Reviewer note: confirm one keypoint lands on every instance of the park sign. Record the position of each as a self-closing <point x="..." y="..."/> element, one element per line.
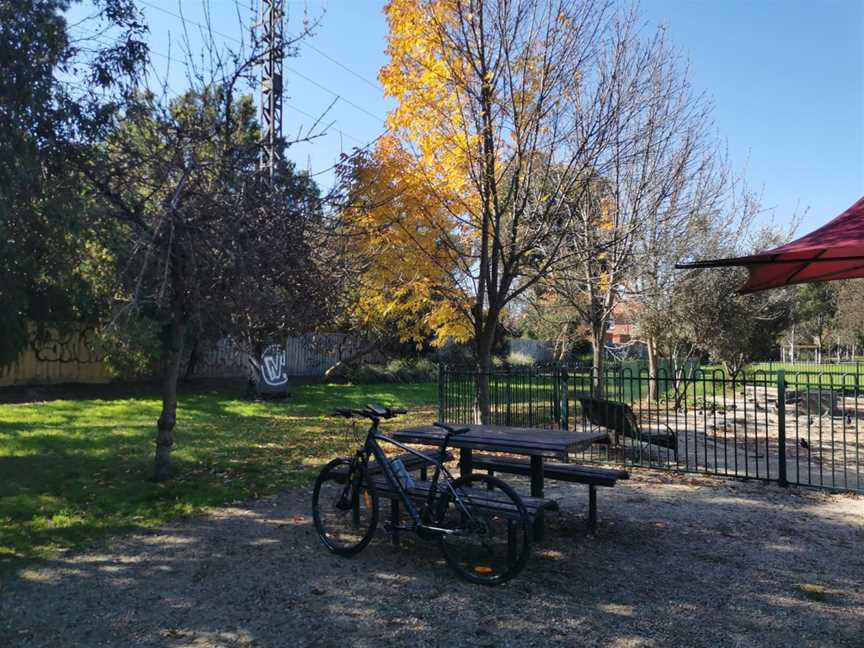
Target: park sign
<point x="271" y="372"/>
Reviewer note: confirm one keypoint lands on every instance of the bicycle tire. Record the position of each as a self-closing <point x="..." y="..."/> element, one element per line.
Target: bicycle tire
<point x="345" y="522"/>
<point x="482" y="564"/>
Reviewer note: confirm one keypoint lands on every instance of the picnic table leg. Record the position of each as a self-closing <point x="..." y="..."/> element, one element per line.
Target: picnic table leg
<point x="465" y="462"/>
<point x="394" y="520"/>
<point x="537" y="491"/>
<point x="512" y="540"/>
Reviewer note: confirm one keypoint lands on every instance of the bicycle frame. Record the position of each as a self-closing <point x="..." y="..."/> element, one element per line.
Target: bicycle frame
<point x="372" y="446"/>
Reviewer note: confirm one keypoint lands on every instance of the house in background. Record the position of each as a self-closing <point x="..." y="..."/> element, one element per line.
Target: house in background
<point x="622" y="328"/>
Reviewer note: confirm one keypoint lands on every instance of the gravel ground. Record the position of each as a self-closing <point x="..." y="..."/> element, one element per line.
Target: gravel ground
<point x="677" y="560"/>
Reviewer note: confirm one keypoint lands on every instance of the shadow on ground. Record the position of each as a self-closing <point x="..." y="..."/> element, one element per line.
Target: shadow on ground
<point x="676" y="561"/>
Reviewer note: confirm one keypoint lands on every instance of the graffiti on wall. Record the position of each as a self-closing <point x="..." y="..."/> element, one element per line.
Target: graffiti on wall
<point x="273" y="366"/>
<point x="70" y="345"/>
<point x="72" y="355"/>
<point x="69" y="354"/>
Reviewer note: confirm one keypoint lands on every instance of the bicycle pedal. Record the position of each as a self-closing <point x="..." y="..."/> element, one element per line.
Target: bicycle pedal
<point x="389" y="528"/>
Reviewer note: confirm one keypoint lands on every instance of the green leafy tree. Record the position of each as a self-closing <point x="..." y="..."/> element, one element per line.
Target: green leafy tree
<point x="815" y="312"/>
<point x="43" y="239"/>
<point x="734" y="329"/>
<point x="850" y="314"/>
<point x="205" y="240"/>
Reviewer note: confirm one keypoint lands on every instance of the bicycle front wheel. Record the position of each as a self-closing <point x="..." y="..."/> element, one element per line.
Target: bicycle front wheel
<point x="344" y="508"/>
<point x="488" y="539"/>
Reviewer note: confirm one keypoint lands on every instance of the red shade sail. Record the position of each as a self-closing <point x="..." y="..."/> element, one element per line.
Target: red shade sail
<point x="834" y="251"/>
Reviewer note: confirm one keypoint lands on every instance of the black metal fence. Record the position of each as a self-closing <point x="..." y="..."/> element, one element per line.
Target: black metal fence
<point x="800" y="427"/>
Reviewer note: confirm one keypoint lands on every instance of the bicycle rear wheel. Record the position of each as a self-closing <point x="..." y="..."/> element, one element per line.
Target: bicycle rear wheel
<point x="344" y="508"/>
<point x="489" y="541"/>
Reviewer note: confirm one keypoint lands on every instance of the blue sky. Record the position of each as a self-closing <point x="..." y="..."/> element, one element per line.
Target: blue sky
<point x="786" y="79"/>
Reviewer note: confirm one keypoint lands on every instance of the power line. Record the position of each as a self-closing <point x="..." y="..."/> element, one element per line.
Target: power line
<point x="171" y="59"/>
<point x="363" y="146"/>
<point x="333" y="60"/>
<point x="191" y="22"/>
<point x="311" y="116"/>
<point x="353" y="155"/>
<point x="291" y="70"/>
<point x="342" y="65"/>
<point x="335" y="94"/>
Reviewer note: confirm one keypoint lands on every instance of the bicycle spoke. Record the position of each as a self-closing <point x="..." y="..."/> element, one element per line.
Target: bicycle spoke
<point x="345" y="512"/>
<point x="491" y="548"/>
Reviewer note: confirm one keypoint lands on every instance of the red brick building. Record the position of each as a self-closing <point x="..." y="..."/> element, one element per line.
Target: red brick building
<point x="622" y="328"/>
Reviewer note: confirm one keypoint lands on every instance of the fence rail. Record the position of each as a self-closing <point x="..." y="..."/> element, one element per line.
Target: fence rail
<point x="800" y="428"/>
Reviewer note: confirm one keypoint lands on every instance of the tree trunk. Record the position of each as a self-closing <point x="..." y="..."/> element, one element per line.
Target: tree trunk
<point x="349" y="360"/>
<point x="792" y="346"/>
<point x="562" y="343"/>
<point x="172" y="350"/>
<point x="173" y="339"/>
<point x="484" y="368"/>
<point x="598" y="334"/>
<point x="652" y="369"/>
<point x="679" y="375"/>
<point x="193" y="360"/>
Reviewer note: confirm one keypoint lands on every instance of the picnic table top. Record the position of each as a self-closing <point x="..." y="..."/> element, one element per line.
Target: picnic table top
<point x="498" y="438"/>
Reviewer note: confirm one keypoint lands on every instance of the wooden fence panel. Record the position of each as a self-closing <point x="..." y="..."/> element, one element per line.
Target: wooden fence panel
<point x="72" y="357"/>
<point x="57" y="357"/>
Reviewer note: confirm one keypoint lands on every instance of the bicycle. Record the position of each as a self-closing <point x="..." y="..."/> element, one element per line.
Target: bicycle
<point x="479" y="521"/>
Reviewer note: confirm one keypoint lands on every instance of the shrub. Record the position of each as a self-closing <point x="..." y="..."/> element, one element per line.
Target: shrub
<point x="395" y="371"/>
<point x="520" y="359"/>
<point x="131" y="350"/>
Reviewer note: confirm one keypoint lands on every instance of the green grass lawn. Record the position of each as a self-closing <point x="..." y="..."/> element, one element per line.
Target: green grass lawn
<point x="76" y="470"/>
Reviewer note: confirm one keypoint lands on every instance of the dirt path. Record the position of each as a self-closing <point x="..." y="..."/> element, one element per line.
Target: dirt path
<point x="677" y="561"/>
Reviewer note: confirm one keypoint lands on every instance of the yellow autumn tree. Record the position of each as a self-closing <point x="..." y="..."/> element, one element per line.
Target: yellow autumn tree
<point x="461" y="205"/>
<point x="395" y="233"/>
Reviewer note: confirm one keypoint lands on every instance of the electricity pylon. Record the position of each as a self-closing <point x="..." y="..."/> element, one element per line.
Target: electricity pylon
<point x="270" y="13"/>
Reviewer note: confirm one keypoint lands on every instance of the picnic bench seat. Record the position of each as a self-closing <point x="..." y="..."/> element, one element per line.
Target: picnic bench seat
<point x="480" y="497"/>
<point x="619" y="418"/>
<point x="590" y="475"/>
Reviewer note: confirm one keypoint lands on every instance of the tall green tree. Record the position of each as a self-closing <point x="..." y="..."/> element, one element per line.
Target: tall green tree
<point x="815" y="313"/>
<point x="43" y="239"/>
<point x="850" y="314"/>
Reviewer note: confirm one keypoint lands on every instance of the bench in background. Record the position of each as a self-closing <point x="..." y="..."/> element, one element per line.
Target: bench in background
<point x="619" y="418"/>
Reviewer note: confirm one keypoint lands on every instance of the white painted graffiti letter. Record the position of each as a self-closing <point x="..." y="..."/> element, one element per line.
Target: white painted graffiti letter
<point x="273" y="366"/>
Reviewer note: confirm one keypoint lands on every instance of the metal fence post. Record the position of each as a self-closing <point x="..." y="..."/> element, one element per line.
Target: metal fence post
<point x="508" y="415"/>
<point x="441" y="392"/>
<point x="555" y="400"/>
<point x="565" y="401"/>
<point x="781" y="425"/>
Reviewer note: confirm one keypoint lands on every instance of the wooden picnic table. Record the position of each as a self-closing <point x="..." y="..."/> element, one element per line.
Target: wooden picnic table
<point x="538" y="444"/>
